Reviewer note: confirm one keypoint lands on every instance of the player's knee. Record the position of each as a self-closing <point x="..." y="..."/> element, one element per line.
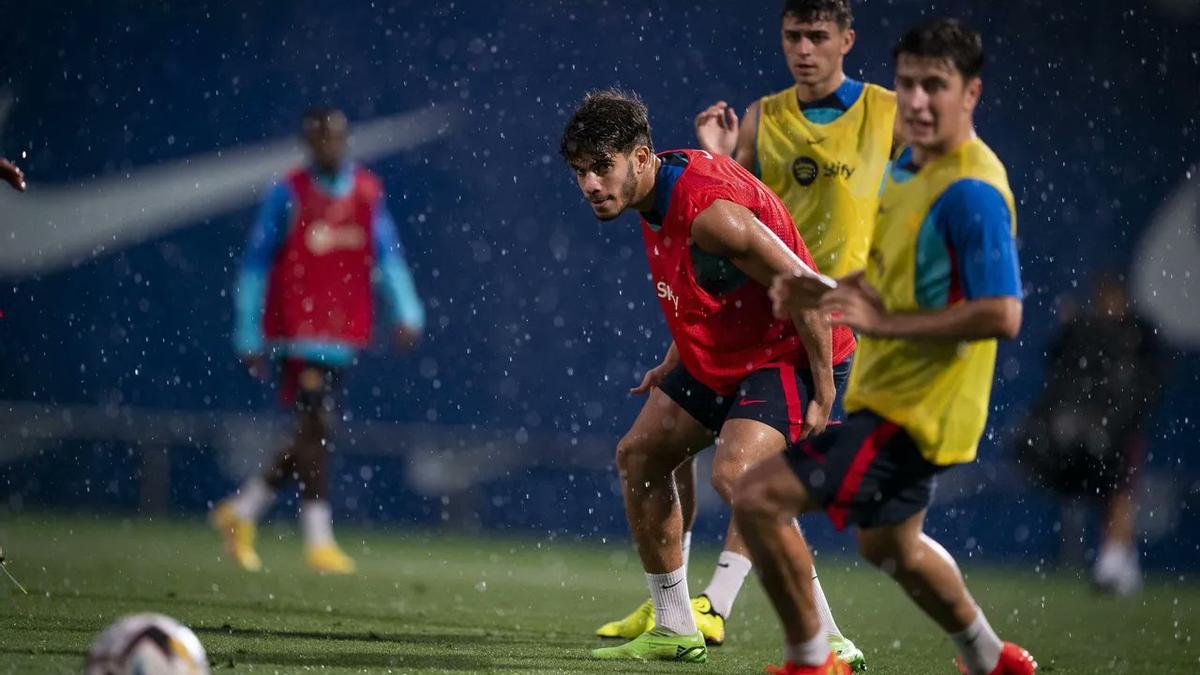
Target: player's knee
<point x="633" y="453"/>
<point x="755" y="499"/>
<point x="724" y="480"/>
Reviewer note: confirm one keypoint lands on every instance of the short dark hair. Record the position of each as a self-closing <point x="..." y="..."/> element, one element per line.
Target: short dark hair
<point x="809" y="11"/>
<point x="606" y="122"/>
<point x="320" y="114"/>
<point x="945" y="39"/>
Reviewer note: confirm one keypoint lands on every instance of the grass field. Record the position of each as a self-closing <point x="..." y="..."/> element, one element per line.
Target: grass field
<point x="425" y="603"/>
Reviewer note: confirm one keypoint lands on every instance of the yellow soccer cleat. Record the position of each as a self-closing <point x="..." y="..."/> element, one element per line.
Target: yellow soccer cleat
<point x="238" y="535"/>
<point x="711" y="624"/>
<point x="329" y="559"/>
<point x="638" y="622"/>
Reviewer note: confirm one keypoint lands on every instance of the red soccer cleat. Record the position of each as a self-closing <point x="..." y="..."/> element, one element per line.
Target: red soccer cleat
<point x="832" y="666"/>
<point x="1014" y="660"/>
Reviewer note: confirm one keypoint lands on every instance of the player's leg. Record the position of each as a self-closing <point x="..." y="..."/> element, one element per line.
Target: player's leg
<point x="236" y="517"/>
<point x="770" y="404"/>
<point x="685" y="484"/>
<point x="1117" y="569"/>
<point x="661" y="438"/>
<point x="314" y="412"/>
<point x="769" y="498"/>
<point x="929" y="575"/>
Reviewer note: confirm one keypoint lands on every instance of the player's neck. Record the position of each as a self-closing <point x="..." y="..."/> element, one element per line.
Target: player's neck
<point x="645" y="188"/>
<point x="807" y="93"/>
<point x="923" y="155"/>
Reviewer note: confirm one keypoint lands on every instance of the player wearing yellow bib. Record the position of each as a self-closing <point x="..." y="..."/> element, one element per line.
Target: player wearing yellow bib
<point x="822" y="146"/>
<point x="940" y="287"/>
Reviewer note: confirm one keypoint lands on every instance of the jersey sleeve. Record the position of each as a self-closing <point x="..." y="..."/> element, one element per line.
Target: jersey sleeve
<point x="392" y="272"/>
<point x="250" y="294"/>
<point x="974" y="220"/>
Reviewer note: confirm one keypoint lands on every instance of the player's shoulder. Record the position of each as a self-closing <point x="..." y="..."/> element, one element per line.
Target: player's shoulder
<point x="879" y="95"/>
<point x="367" y="182"/>
<point x="774" y="103"/>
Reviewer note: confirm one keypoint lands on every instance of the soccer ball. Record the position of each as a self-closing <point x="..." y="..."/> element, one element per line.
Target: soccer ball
<point x="147" y="644"/>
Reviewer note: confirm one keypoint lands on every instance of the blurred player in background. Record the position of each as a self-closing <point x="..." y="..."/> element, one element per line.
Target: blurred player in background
<point x="822" y="145"/>
<point x="714" y="237"/>
<point x="304" y="303"/>
<point x="11" y="173"/>
<point x="1084" y="437"/>
<point x="941" y="285"/>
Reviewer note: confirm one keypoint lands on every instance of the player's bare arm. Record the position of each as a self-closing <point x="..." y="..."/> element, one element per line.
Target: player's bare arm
<point x="856" y="304"/>
<point x="731" y="231"/>
<point x="720" y="132"/>
<point x="10" y="173"/>
<point x="655" y="375"/>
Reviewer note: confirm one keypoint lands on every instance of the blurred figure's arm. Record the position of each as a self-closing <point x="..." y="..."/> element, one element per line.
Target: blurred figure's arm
<point x="393" y="275"/>
<point x="10" y="173"/>
<point x="250" y="295"/>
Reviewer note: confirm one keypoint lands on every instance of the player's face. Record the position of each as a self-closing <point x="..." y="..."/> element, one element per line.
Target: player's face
<point x="608" y="183"/>
<point x="327" y="141"/>
<point x="933" y="101"/>
<point x="814" y="50"/>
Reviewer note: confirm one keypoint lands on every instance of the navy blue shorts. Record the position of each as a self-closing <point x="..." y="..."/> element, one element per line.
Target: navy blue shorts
<point x="777" y="396"/>
<point x="866" y="472"/>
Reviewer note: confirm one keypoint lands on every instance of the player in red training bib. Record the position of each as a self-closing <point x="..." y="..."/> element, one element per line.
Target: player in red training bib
<point x="714" y="237"/>
<point x="322" y="239"/>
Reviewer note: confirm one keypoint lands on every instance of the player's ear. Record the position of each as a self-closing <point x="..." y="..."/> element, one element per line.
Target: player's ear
<point x="848" y="37"/>
<point x="642" y="157"/>
<point x="973" y="89"/>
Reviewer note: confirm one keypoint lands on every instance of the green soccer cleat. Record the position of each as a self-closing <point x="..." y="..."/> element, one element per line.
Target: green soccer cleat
<point x="658" y="644"/>
<point x="848" y="653"/>
<point x="639" y="621"/>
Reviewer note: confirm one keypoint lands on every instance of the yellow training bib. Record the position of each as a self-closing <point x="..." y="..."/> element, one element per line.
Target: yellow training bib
<point x="828" y="175"/>
<point x="937" y="391"/>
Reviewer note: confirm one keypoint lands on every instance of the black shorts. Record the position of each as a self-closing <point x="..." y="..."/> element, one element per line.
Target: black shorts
<point x="866" y="472"/>
<point x="777" y="396"/>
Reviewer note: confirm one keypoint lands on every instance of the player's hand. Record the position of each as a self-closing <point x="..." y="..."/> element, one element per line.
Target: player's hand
<point x="12" y="175"/>
<point x="856" y="304"/>
<point x="816" y="417"/>
<point x="717" y="128"/>
<point x="653" y="378"/>
<point x="406" y="338"/>
<point x="792" y="294"/>
<point x="256" y="365"/>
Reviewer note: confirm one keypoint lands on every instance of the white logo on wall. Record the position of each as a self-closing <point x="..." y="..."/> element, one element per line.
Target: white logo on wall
<point x="1165" y="284"/>
<point x="54" y="226"/>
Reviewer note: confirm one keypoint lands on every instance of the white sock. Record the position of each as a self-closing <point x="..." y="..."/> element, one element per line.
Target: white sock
<point x="672" y="604"/>
<point x="316" y="519"/>
<point x="823" y="612"/>
<point x="813" y="652"/>
<point x="978" y="645"/>
<point x="1114" y="559"/>
<point x="727" y="580"/>
<point x="686" y="541"/>
<point x="253" y="498"/>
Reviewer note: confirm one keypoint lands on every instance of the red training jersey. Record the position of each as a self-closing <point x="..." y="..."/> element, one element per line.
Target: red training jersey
<point x="720" y="318"/>
<point x="320" y="285"/>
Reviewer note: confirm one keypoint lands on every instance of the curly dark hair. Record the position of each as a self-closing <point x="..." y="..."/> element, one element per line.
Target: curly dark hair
<point x="607" y="122"/>
<point x="945" y="39"/>
<point x="808" y="11"/>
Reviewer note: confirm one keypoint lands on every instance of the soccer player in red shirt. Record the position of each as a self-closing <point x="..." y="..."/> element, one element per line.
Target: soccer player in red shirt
<point x="715" y="237"/>
<point x="304" y="299"/>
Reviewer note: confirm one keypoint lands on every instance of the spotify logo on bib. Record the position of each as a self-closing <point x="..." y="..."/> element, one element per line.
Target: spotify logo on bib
<point x="804" y="170"/>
